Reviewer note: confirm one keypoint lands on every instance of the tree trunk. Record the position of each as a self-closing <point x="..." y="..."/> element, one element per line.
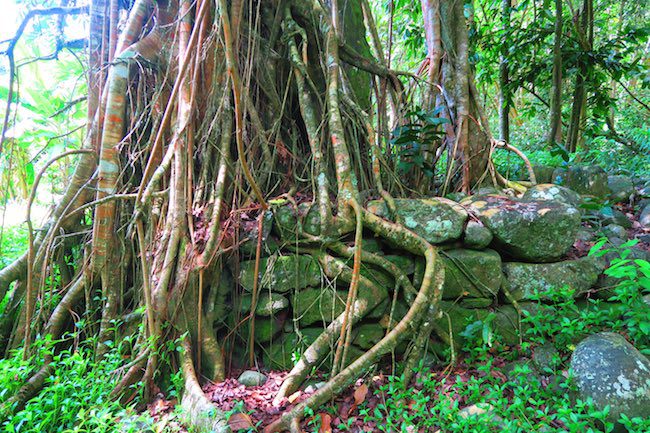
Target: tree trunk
<point x="555" y="129"/>
<point x="504" y="90"/>
<point x="584" y="34"/>
<point x="467" y="140"/>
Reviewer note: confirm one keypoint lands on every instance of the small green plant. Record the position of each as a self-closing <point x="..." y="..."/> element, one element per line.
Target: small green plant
<point x="75" y="397"/>
<point x="632" y="283"/>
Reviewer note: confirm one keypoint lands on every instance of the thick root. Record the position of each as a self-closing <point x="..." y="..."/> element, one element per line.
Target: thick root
<point x="371" y="295"/>
<point x="200" y="413"/>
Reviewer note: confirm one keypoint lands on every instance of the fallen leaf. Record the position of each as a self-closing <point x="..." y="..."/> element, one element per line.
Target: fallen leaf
<point x="325" y="423"/>
<point x="360" y="394"/>
<point x="239" y="421"/>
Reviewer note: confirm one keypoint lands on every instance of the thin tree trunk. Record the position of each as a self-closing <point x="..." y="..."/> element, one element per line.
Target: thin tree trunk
<point x="555" y="130"/>
<point x="504" y="92"/>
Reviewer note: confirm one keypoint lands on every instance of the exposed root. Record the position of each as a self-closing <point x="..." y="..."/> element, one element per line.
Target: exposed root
<point x="429" y="294"/>
<point x="199" y="411"/>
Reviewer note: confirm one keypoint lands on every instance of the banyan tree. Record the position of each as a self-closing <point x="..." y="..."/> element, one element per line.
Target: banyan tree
<point x="206" y="120"/>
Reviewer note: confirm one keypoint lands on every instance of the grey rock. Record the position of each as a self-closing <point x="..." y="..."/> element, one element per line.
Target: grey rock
<point x="438" y="220"/>
<point x="615" y="231"/>
<point x="523" y="280"/>
<point x="611" y="372"/>
<point x="549" y="191"/>
<point x="477" y="236"/>
<point x="533" y="230"/>
<point x="470" y="273"/>
<point x="585" y="180"/>
<point x="251" y="378"/>
<point x="543" y="173"/>
<point x="644" y="217"/>
<point x="621" y="188"/>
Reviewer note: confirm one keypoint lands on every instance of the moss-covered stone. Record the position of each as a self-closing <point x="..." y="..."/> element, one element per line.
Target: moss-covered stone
<point x="611" y="372"/>
<point x="621" y="188"/>
<point x="368" y="334"/>
<point x="404" y="263"/>
<point x="549" y="191"/>
<point x="283" y="354"/>
<point x="438" y="220"/>
<point x="266" y="328"/>
<point x="476" y="302"/>
<point x="507" y="322"/>
<point x="585" y="180"/>
<point x="459" y="317"/>
<point x="470" y="273"/>
<point x="285" y="218"/>
<point x="318" y="305"/>
<point x="543" y="173"/>
<point x="533" y="230"/>
<point x="477" y="236"/>
<point x="281" y="273"/>
<point x="268" y="304"/>
<point x="524" y="279"/>
<point x="398" y="314"/>
<point x="249" y="232"/>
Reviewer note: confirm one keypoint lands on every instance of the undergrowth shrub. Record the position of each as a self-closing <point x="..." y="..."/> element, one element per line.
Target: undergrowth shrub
<point x="75" y="397"/>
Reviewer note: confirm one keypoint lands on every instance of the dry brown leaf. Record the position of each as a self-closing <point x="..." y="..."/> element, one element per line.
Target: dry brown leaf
<point x="325" y="423"/>
<point x="238" y="421"/>
<point x="360" y="394"/>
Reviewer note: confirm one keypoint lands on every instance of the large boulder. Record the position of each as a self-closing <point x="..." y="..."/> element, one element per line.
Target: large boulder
<point x="438" y="220"/>
<point x="611" y="372"/>
<point x="621" y="188"/>
<point x="583" y="179"/>
<point x="470" y="273"/>
<point x="549" y="191"/>
<point x="532" y="230"/>
<point x="281" y="273"/>
<point x="523" y="280"/>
